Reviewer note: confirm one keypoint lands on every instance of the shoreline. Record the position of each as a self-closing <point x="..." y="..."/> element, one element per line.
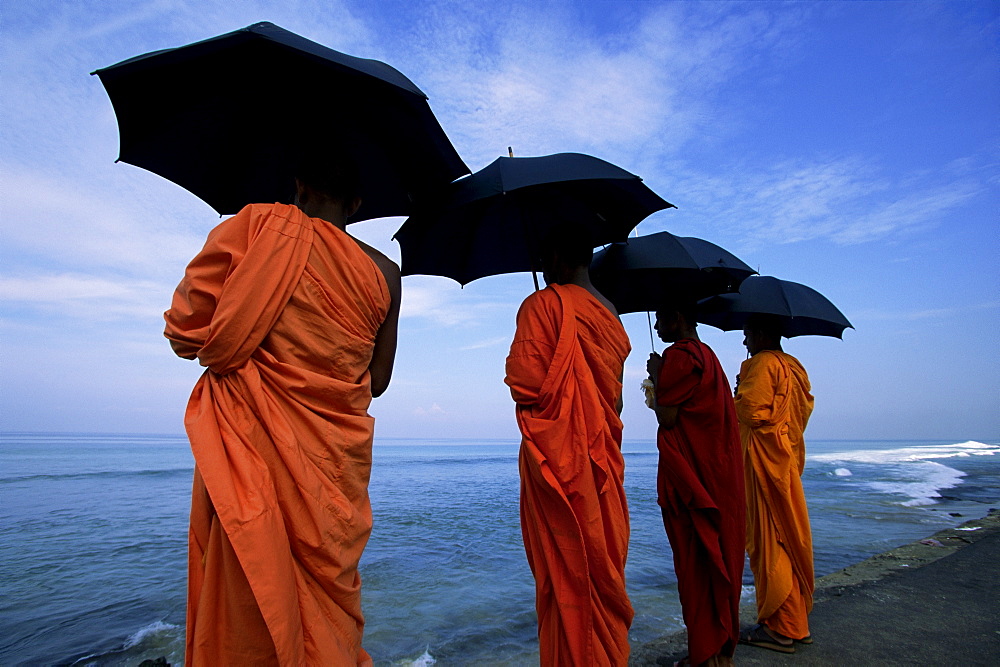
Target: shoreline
<point x="872" y="573"/>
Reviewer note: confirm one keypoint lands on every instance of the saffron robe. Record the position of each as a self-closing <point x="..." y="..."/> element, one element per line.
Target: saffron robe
<point x="700" y="488"/>
<point x="283" y="309"/>
<point x="564" y="372"/>
<point x="773" y="405"/>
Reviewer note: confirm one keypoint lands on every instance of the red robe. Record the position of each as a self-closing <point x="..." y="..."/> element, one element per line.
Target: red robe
<point x="700" y="488"/>
<point x="283" y="309"/>
<point x="564" y="372"/>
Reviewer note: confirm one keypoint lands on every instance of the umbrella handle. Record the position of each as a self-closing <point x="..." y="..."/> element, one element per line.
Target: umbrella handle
<point x="534" y="276"/>
<point x="652" y="343"/>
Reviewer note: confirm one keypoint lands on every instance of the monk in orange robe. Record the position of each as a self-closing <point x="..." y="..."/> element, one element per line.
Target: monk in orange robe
<point x="295" y="321"/>
<point x="564" y="371"/>
<point x="700" y="485"/>
<point x="773" y="405"/>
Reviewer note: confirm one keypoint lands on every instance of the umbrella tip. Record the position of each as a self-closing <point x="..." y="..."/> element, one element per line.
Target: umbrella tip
<point x="510" y="151"/>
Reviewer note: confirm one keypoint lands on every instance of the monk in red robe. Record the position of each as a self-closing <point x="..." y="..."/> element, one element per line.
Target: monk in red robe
<point x="564" y="371"/>
<point x="699" y="485"/>
<point x="773" y="404"/>
<point x="295" y="321"/>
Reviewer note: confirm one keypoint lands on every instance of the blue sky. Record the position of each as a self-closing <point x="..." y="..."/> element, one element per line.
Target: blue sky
<point x="849" y="146"/>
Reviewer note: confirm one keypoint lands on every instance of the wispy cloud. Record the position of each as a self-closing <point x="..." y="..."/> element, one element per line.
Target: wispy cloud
<point x="84" y="296"/>
<point x="434" y="410"/>
<point x="60" y="219"/>
<point x="846" y="200"/>
<point x="924" y="314"/>
<point x="489" y="342"/>
<point x="442" y="302"/>
<point x="542" y="84"/>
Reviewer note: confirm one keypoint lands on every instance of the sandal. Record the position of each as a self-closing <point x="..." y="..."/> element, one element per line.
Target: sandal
<point x="808" y="639"/>
<point x="756" y="635"/>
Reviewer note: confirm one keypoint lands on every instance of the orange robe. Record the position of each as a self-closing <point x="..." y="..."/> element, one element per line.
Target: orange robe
<point x="773" y="405"/>
<point x="564" y="372"/>
<point x="283" y="309"/>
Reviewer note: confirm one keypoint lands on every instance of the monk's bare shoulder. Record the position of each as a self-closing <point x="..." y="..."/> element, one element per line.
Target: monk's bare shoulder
<point x="603" y="300"/>
<point x="389" y="268"/>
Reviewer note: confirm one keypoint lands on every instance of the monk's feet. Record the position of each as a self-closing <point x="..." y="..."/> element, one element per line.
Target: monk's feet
<point x="718" y="661"/>
<point x="762" y="636"/>
<point x="714" y="661"/>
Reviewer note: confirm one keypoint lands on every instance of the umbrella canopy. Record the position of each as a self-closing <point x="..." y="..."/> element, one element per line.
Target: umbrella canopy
<point x="230" y="117"/>
<point x="645" y="272"/>
<point x="491" y="222"/>
<point x="804" y="311"/>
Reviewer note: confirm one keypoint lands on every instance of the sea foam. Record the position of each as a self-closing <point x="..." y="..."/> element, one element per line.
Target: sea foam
<point x="922" y="481"/>
<point x="153" y="630"/>
<point x="908" y="471"/>
<point x="426" y="660"/>
<point x="907" y="454"/>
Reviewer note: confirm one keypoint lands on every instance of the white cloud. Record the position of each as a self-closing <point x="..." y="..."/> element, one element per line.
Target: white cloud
<point x="422" y="298"/>
<point x="85" y="297"/>
<point x="59" y="219"/>
<point x="845" y="200"/>
<point x="434" y="411"/>
<point x="489" y="342"/>
<point x="545" y="85"/>
<point x="444" y="303"/>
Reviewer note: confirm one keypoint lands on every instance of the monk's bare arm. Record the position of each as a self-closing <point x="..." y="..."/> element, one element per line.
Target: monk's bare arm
<point x="384" y="353"/>
<point x="666" y="415"/>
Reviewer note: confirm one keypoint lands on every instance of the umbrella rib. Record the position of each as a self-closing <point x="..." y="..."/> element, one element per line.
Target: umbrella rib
<point x="788" y="306"/>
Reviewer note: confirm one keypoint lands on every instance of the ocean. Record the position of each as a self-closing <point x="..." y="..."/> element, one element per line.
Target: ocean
<point x="93" y="532"/>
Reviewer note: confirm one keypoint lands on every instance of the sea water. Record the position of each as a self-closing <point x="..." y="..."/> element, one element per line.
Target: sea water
<point x="93" y="533"/>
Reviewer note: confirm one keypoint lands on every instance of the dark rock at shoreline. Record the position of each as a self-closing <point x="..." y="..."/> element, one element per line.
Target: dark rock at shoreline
<point x="159" y="662"/>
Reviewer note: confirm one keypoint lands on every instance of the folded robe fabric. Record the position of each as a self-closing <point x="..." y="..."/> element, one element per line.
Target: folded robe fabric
<point x="564" y="372"/>
<point x="700" y="488"/>
<point x="773" y="405"/>
<point x="283" y="309"/>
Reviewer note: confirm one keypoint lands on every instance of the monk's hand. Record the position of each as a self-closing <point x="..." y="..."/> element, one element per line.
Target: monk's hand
<point x="653" y="365"/>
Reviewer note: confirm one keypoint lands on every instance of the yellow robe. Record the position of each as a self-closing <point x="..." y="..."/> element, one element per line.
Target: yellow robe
<point x="283" y="310"/>
<point x="773" y="405"/>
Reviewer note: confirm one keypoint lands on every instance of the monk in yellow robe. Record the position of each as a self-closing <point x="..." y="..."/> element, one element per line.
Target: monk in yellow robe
<point x="773" y="405"/>
<point x="296" y="323"/>
<point x="564" y="371"/>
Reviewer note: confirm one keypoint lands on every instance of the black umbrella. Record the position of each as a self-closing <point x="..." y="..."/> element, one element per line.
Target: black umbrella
<point x="230" y="117"/>
<point x="645" y="272"/>
<point x="492" y="221"/>
<point x="804" y="311"/>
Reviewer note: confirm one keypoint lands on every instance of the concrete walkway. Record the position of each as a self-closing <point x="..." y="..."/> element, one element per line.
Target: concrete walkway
<point x="933" y="602"/>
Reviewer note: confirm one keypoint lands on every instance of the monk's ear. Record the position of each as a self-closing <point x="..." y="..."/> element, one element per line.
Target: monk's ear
<point x="353" y="206"/>
<point x="301" y="192"/>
